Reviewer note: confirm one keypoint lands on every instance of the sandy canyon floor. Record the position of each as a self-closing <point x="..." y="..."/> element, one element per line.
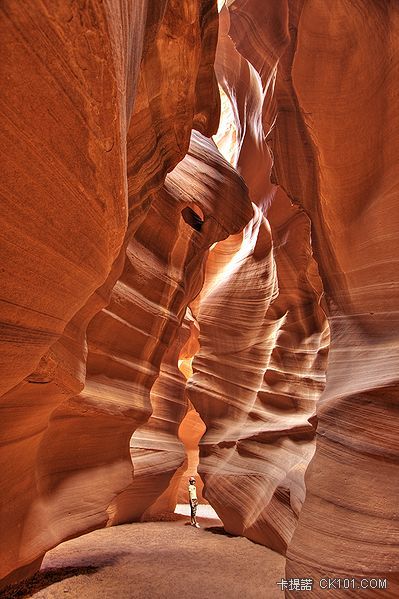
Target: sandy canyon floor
<point x="158" y="559"/>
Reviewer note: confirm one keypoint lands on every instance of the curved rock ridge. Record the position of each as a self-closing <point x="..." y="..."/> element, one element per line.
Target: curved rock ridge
<point x="163" y="273"/>
<point x="155" y="449"/>
<point x="164" y="451"/>
<point x="107" y="128"/>
<point x="335" y="143"/>
<point x="256" y="380"/>
<point x="134" y="256"/>
<point x="255" y="384"/>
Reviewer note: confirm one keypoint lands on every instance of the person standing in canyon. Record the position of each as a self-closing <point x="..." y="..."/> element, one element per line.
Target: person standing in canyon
<point x="193" y="500"/>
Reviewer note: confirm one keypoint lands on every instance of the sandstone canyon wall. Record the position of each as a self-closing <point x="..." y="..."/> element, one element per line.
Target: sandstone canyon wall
<point x="99" y="104"/>
<point x="202" y="183"/>
<point x="334" y="141"/>
<point x="130" y="246"/>
<point x="257" y="379"/>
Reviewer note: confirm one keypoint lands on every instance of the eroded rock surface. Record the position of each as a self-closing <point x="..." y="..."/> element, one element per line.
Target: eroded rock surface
<point x="116" y="218"/>
<point x="202" y="202"/>
<point x="335" y="154"/>
<point x="263" y="336"/>
<point x="115" y="89"/>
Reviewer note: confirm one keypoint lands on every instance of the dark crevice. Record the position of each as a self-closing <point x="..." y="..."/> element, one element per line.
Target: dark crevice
<point x="192" y="219"/>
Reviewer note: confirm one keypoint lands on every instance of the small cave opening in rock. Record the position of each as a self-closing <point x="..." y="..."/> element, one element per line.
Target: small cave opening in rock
<point x="192" y="218"/>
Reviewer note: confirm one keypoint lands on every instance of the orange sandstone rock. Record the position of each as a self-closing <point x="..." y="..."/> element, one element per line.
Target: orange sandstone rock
<point x="263" y="336"/>
<point x="334" y="144"/>
<point x="164" y="272"/>
<point x="83" y="160"/>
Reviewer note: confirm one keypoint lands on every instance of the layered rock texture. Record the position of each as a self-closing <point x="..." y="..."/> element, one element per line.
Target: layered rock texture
<point x="114" y="91"/>
<point x="202" y="201"/>
<point x="160" y="290"/>
<point x="334" y="143"/>
<point x="256" y="382"/>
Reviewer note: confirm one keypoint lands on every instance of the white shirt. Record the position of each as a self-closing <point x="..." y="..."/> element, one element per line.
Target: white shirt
<point x="192" y="491"/>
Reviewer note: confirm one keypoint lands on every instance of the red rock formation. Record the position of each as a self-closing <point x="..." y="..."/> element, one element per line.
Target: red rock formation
<point x="64" y="459"/>
<point x="335" y="152"/>
<point x="255" y="383"/>
<point x="107" y="219"/>
<point x="159" y="291"/>
<point x="155" y="449"/>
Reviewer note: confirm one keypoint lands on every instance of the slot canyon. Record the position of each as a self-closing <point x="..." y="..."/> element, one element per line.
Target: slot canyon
<point x="199" y="277"/>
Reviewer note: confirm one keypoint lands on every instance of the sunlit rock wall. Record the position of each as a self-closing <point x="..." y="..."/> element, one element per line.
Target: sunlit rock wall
<point x="263" y="336"/>
<point x="334" y="144"/>
<point x="202" y="202"/>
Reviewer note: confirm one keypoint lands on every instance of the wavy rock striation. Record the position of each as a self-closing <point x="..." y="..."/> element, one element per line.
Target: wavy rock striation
<point x="116" y="218"/>
<point x="257" y="379"/>
<point x="203" y="200"/>
<point x="108" y="125"/>
<point x="335" y="154"/>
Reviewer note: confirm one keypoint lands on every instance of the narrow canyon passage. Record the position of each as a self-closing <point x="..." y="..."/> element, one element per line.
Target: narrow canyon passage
<point x="199" y="277"/>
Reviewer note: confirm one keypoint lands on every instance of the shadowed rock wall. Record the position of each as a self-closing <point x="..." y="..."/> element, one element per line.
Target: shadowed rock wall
<point x="334" y="144"/>
<point x="114" y="91"/>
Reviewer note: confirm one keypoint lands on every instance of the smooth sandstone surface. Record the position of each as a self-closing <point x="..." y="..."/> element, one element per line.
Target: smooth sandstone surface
<point x="168" y="303"/>
<point x="102" y="140"/>
<point x="334" y="144"/>
<point x="263" y="336"/>
<point x="159" y="292"/>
